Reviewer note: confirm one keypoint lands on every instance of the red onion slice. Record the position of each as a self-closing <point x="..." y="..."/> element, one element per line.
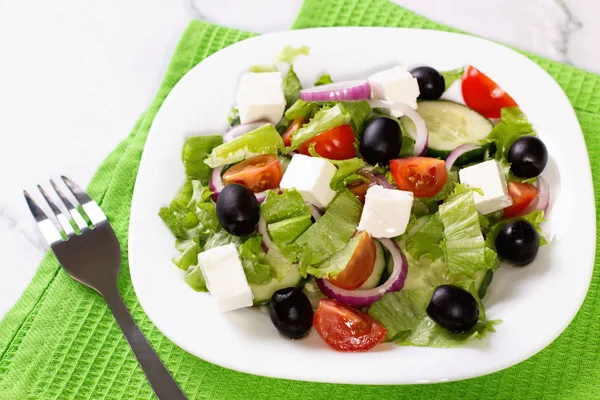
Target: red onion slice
<point x="315" y="212"/>
<point x="457" y="152"/>
<point x="378" y="179"/>
<point x="239" y="130"/>
<point x="216" y="185"/>
<point x="266" y="240"/>
<point x="363" y="298"/>
<point x="338" y="91"/>
<point x="422" y="140"/>
<point x="544" y="195"/>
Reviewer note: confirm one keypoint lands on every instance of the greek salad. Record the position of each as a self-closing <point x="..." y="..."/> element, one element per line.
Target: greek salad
<point x="371" y="210"/>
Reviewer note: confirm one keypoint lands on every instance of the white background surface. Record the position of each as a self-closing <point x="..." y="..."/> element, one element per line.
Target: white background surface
<point x="75" y="75"/>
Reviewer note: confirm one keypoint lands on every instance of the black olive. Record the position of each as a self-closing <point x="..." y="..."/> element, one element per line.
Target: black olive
<point x="431" y="83"/>
<point x="528" y="157"/>
<point x="518" y="242"/>
<point x="381" y="141"/>
<point x="291" y="312"/>
<point x="238" y="210"/>
<point x="453" y="308"/>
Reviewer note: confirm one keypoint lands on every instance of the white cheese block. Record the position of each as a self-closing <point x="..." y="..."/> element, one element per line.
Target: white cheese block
<point x="395" y="85"/>
<point x="311" y="177"/>
<point x="386" y="212"/>
<point x="260" y="97"/>
<point x="225" y="277"/>
<point x="489" y="177"/>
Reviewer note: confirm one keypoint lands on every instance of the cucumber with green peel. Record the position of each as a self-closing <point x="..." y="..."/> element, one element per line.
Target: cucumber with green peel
<point x="263" y="292"/>
<point x="482" y="282"/>
<point x="450" y="125"/>
<point x="378" y="268"/>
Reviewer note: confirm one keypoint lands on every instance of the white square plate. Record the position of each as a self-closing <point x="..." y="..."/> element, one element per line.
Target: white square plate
<point x="536" y="303"/>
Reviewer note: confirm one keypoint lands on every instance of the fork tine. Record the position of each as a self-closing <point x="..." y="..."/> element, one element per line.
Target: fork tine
<point x="75" y="215"/>
<point x="91" y="209"/>
<point x="62" y="219"/>
<point x="45" y="225"/>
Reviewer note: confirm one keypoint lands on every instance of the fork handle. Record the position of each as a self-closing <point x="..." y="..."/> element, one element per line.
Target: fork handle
<point x="158" y="375"/>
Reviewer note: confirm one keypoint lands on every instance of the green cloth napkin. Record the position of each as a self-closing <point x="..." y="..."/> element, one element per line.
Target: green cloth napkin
<point x="61" y="342"/>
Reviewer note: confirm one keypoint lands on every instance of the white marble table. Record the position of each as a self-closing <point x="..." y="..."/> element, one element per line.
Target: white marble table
<point x="74" y="76"/>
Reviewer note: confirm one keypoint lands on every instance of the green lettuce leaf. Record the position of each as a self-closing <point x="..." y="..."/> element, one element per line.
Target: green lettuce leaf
<point x="263" y="140"/>
<point x="345" y="168"/>
<point x="301" y="109"/>
<point x="188" y="257"/>
<point x="262" y="68"/>
<point x="287" y="231"/>
<point x="291" y="87"/>
<point x="425" y="273"/>
<point x="426" y="239"/>
<point x="513" y="125"/>
<point x="195" y="279"/>
<point x="252" y="255"/>
<point x="278" y="207"/>
<point x="183" y="225"/>
<point x="535" y="218"/>
<point x="200" y="194"/>
<point x="464" y="246"/>
<point x="289" y="54"/>
<point x="452" y="76"/>
<point x="324" y="79"/>
<point x="182" y="198"/>
<point x="278" y="262"/>
<point x="358" y="111"/>
<point x="324" y="119"/>
<point x="336" y="263"/>
<point x="331" y="232"/>
<point x="195" y="150"/>
<point x="234" y="116"/>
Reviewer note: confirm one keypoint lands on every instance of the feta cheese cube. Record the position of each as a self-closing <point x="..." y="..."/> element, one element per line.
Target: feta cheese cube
<point x="386" y="212"/>
<point x="260" y="96"/>
<point x="489" y="177"/>
<point x="395" y="85"/>
<point x="225" y="277"/>
<point x="311" y="177"/>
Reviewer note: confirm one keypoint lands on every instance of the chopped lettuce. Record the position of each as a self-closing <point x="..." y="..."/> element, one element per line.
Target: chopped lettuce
<point x="336" y="263"/>
<point x="195" y="279"/>
<point x="291" y="87"/>
<point x="278" y="207"/>
<point x="182" y="198"/>
<point x="404" y="315"/>
<point x="195" y="150"/>
<point x="301" y="109"/>
<point x="535" y="218"/>
<point x="425" y="240"/>
<point x="278" y="262"/>
<point x="513" y="125"/>
<point x="262" y="68"/>
<point x="199" y="194"/>
<point x="324" y="119"/>
<point x="324" y="79"/>
<point x="181" y="224"/>
<point x="463" y="244"/>
<point x="287" y="231"/>
<point x="452" y="76"/>
<point x="358" y="111"/>
<point x="425" y="273"/>
<point x="256" y="268"/>
<point x="263" y="140"/>
<point x="289" y="54"/>
<point x="234" y="116"/>
<point x="188" y="257"/>
<point x="331" y="232"/>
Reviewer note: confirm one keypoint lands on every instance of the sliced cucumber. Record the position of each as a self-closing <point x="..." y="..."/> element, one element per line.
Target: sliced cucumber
<point x="450" y="125"/>
<point x="482" y="282"/>
<point x="378" y="268"/>
<point x="263" y="292"/>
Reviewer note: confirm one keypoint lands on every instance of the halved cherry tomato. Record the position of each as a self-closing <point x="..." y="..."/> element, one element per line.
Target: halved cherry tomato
<point x="347" y="329"/>
<point x="360" y="266"/>
<point x="292" y="128"/>
<point x="522" y="195"/>
<point x="423" y="176"/>
<point x="359" y="189"/>
<point x="257" y="174"/>
<point x="336" y="143"/>
<point x="483" y="94"/>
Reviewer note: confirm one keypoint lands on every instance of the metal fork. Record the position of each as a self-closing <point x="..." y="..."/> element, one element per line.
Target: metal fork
<point x="88" y="250"/>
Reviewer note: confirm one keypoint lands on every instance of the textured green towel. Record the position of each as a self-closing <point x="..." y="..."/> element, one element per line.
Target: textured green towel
<point x="61" y="342"/>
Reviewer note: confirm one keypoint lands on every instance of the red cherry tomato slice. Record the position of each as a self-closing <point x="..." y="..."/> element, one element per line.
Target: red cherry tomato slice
<point x="293" y="128"/>
<point x="423" y="176"/>
<point x="345" y="328"/>
<point x="257" y="174"/>
<point x="360" y="266"/>
<point x="483" y="94"/>
<point x="337" y="143"/>
<point x="522" y="195"/>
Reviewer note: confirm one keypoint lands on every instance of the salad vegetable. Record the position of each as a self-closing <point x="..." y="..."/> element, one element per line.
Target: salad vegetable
<point x="354" y="209"/>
